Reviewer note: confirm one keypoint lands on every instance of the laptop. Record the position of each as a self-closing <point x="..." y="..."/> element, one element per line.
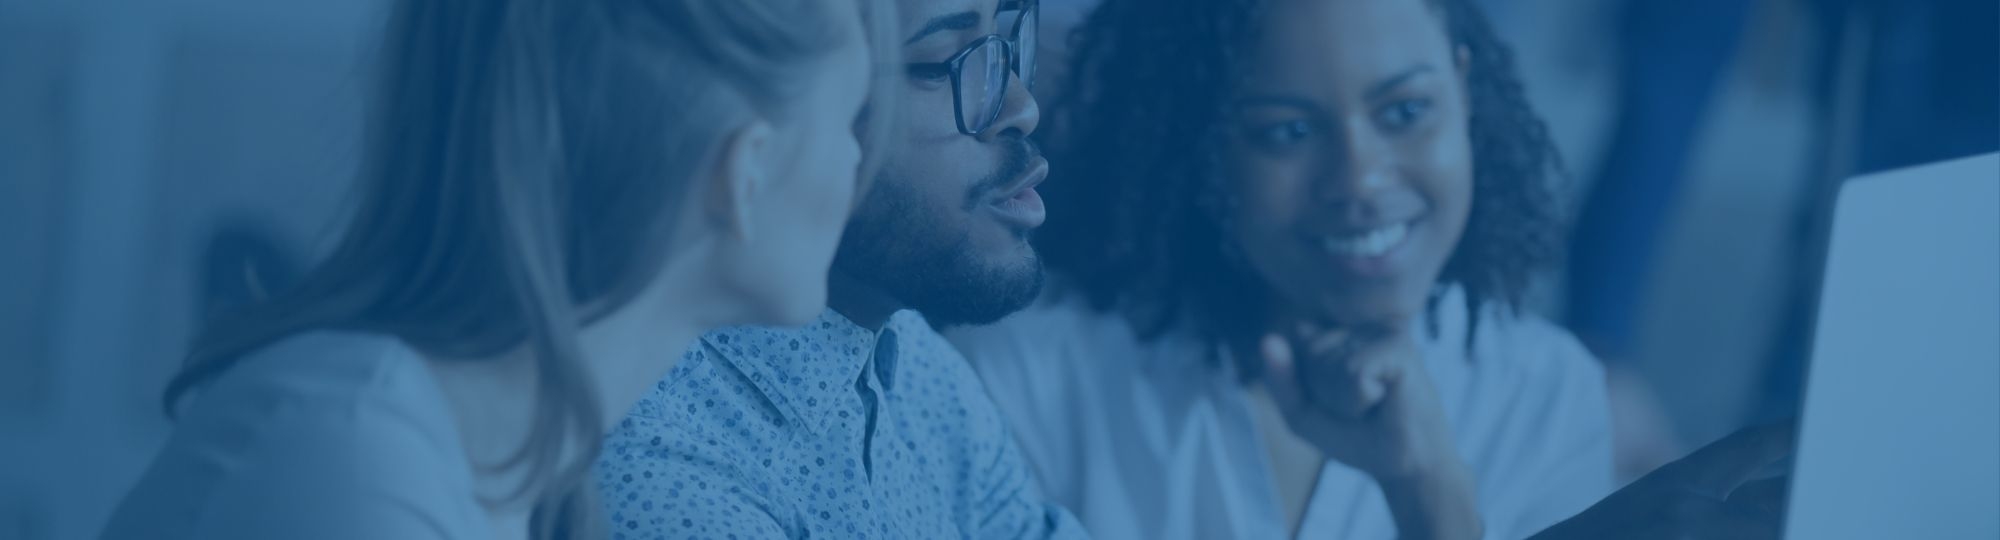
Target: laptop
<point x="1900" y="430"/>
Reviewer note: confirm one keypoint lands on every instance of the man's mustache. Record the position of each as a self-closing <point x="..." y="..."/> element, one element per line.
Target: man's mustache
<point x="1020" y="153"/>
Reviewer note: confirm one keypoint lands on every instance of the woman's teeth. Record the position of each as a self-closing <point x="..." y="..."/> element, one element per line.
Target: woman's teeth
<point x="1370" y="243"/>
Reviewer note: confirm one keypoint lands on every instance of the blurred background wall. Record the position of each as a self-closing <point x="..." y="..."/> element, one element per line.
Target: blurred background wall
<point x="133" y="135"/>
<point x="1706" y="139"/>
<point x="159" y="156"/>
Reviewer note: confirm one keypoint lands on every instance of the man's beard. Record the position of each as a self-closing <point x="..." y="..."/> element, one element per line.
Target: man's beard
<point x="897" y="245"/>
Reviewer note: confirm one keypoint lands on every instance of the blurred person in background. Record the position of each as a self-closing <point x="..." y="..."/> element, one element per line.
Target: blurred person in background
<point x="1736" y="123"/>
<point x="1674" y="58"/>
<point x="553" y="191"/>
<point x="1922" y="76"/>
<point x="1340" y="202"/>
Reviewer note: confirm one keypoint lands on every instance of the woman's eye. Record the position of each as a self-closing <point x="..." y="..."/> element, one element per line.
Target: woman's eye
<point x="1403" y="113"/>
<point x="1280" y="134"/>
<point x="936" y="72"/>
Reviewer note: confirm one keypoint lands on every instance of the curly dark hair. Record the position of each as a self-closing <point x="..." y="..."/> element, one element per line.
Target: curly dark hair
<point x="1139" y="130"/>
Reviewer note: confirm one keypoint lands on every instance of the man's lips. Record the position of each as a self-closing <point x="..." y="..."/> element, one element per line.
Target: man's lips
<point x="1017" y="203"/>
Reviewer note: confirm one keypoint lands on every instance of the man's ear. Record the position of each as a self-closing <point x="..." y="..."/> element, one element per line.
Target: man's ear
<point x="736" y="182"/>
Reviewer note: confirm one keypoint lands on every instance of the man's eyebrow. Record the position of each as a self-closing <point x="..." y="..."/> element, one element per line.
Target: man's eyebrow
<point x="963" y="20"/>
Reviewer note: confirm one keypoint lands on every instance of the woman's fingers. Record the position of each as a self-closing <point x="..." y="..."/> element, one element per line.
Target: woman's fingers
<point x="1350" y="388"/>
<point x="1282" y="380"/>
<point x="1345" y="376"/>
<point x="1280" y="371"/>
<point x="1320" y="343"/>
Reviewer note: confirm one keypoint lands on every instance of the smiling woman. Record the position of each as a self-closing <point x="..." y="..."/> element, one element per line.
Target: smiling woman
<point x="1328" y="207"/>
<point x="1186" y="176"/>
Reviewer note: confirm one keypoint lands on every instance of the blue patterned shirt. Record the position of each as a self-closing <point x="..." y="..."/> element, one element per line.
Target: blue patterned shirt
<point x="830" y="431"/>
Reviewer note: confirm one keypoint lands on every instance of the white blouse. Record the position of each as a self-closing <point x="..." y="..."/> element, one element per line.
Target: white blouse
<point x="1151" y="439"/>
<point x="321" y="436"/>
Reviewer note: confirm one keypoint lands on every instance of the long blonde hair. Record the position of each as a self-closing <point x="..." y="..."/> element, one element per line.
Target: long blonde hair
<point x="522" y="167"/>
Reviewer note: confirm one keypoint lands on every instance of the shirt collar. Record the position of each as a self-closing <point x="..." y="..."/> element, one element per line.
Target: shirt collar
<point x="805" y="370"/>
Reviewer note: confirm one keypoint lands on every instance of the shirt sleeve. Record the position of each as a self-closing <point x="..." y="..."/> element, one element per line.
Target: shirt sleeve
<point x="658" y="482"/>
<point x="1033" y="396"/>
<point x="1561" y="437"/>
<point x="1007" y="500"/>
<point x="1012" y="506"/>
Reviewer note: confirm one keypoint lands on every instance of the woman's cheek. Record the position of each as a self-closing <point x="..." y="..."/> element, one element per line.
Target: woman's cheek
<point x="1280" y="188"/>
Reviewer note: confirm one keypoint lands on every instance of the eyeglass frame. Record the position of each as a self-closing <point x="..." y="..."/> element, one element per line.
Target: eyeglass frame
<point x="1008" y="46"/>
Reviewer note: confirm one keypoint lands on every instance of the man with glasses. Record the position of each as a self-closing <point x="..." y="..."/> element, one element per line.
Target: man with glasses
<point x="866" y="424"/>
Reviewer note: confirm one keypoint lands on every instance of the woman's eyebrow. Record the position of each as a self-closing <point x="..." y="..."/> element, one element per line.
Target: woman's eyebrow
<point x="1376" y="90"/>
<point x="1276" y="100"/>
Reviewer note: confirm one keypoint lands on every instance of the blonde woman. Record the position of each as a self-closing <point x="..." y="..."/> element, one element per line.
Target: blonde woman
<point x="556" y="191"/>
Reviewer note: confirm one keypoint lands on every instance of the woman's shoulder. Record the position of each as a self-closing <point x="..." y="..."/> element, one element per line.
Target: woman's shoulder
<point x="320" y="428"/>
<point x="362" y="401"/>
<point x="1064" y="350"/>
<point x="323" y="376"/>
<point x="1537" y="341"/>
<point x="1513" y="344"/>
<point x="1061" y="322"/>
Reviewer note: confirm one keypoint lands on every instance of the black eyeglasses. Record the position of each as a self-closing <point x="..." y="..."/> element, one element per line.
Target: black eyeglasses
<point x="979" y="94"/>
